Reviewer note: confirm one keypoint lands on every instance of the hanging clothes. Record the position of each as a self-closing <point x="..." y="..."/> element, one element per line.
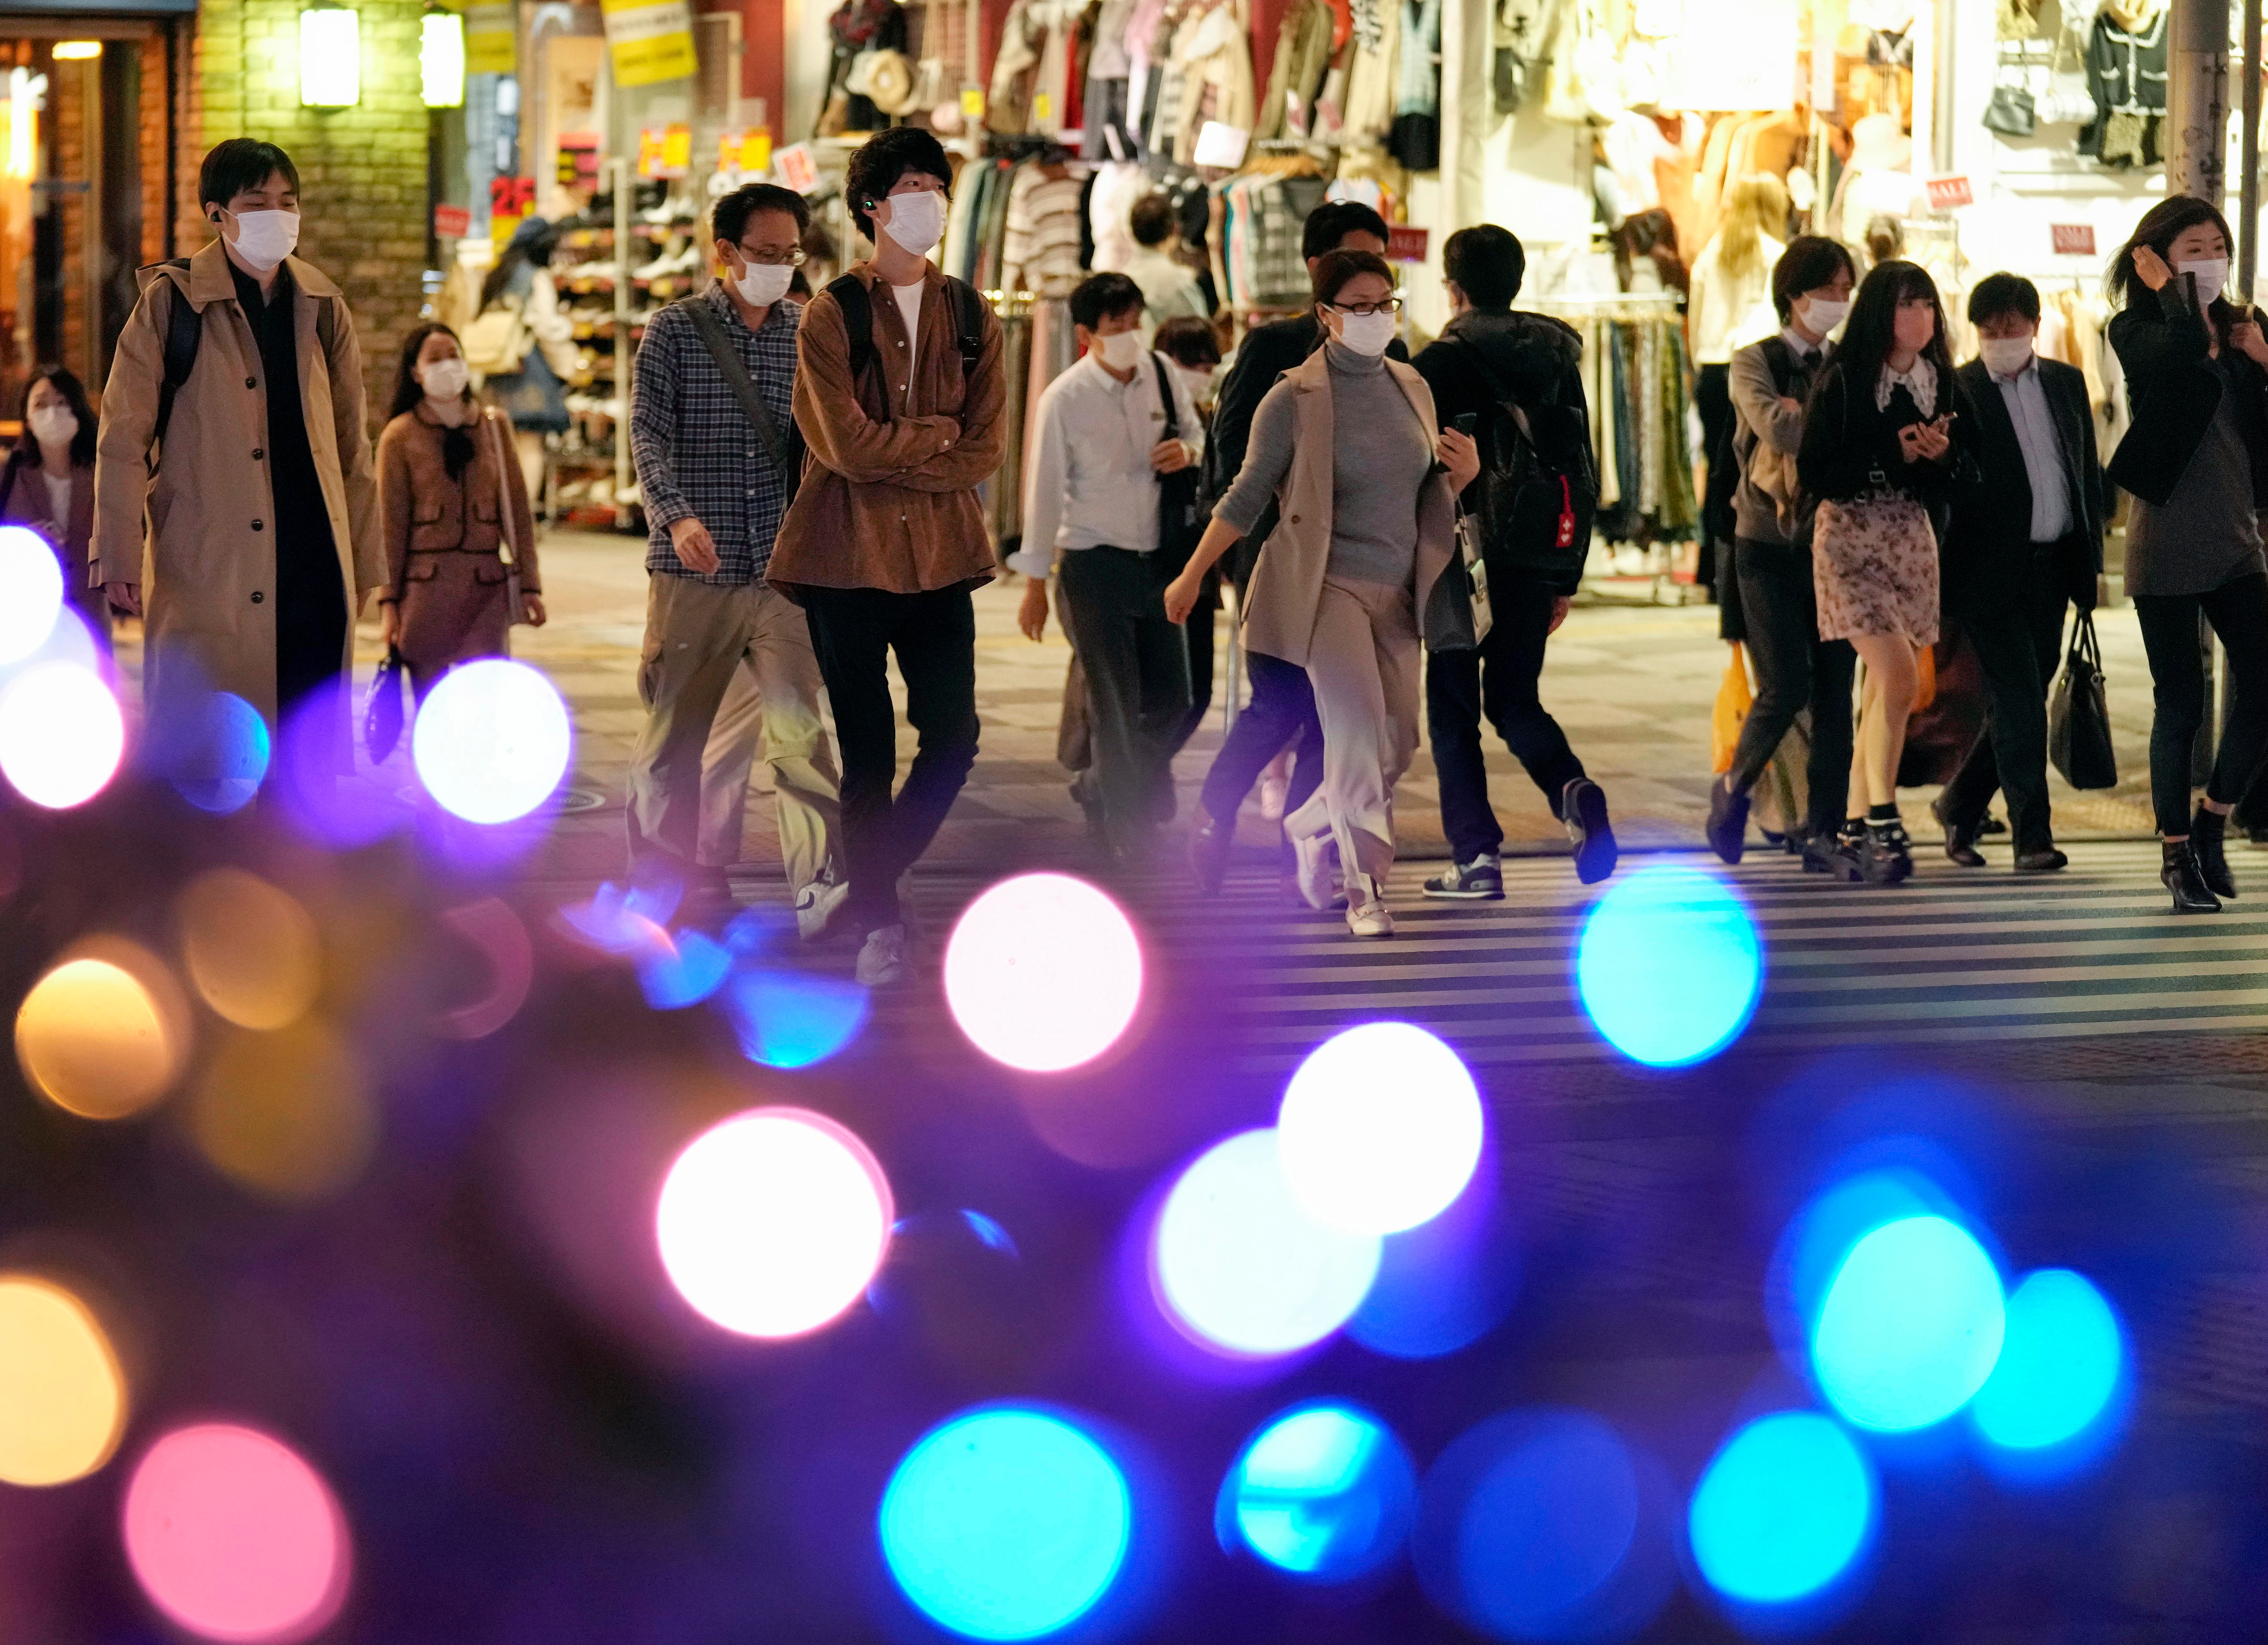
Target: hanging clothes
<point x="1117" y="187"/>
<point x="1039" y="249"/>
<point x="1303" y="56"/>
<point x="1016" y="66"/>
<point x="1216" y="61"/>
<point x="1371" y="87"/>
<point x="1415" y="139"/>
<point x="2126" y="72"/>
<point x="1109" y="68"/>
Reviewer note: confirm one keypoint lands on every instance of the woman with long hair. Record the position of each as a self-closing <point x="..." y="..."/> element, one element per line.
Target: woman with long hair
<point x="1347" y="444"/>
<point x="1729" y="307"/>
<point x="48" y="484"/>
<point x="534" y="396"/>
<point x="2196" y="461"/>
<point x="453" y="511"/>
<point x="1885" y="440"/>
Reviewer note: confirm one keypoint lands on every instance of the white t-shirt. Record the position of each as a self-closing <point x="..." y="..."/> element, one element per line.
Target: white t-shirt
<point x="910" y="302"/>
<point x="59" y="499"/>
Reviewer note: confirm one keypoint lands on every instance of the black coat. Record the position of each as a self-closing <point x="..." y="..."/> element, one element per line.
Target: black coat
<point x="1989" y="563"/>
<point x="2162" y="341"/>
<point x="1848" y="443"/>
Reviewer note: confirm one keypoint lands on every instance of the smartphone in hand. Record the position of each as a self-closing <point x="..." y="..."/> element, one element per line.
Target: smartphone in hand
<point x="1467" y="424"/>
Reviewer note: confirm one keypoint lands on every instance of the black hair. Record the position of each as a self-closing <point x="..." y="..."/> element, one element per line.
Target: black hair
<point x="1333" y="221"/>
<point x="1866" y="334"/>
<point x="26" y="453"/>
<point x="1097" y="297"/>
<point x="1334" y="269"/>
<point x="1151" y="219"/>
<point x="1885" y="237"/>
<point x="879" y="162"/>
<point x="1810" y="262"/>
<point x="2160" y="227"/>
<point x="239" y="164"/>
<point x="532" y="243"/>
<point x="456" y="444"/>
<point x="728" y="219"/>
<point x="1487" y="263"/>
<point x="1188" y="341"/>
<point x="1999" y="295"/>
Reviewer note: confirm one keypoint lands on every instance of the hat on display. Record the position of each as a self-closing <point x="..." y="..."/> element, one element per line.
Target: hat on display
<point x="1879" y="143"/>
<point x="884" y="78"/>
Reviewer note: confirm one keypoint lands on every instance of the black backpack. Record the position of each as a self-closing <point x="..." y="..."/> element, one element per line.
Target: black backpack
<point x="850" y="296"/>
<point x="1538" y="488"/>
<point x="185" y="329"/>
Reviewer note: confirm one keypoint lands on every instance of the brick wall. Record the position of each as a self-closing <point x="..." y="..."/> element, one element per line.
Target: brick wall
<point x="362" y="170"/>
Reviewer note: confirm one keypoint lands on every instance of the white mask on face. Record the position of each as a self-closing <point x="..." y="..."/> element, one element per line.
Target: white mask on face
<point x="763" y="285"/>
<point x="1199" y="384"/>
<point x="1121" y="350"/>
<point x="443" y="380"/>
<point x="2212" y="275"/>
<point x="1821" y="315"/>
<point x="1367" y="334"/>
<point x="265" y="238"/>
<point x="51" y="425"/>
<point x="2004" y="356"/>
<point x="916" y="220"/>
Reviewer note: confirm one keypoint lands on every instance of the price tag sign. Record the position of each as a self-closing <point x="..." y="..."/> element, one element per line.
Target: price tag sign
<point x="1406" y="245"/>
<point x="972" y="102"/>
<point x="649" y="161"/>
<point x="1043" y="107"/>
<point x="797" y="168"/>
<point x="2072" y="239"/>
<point x="452" y="223"/>
<point x="676" y="151"/>
<point x="756" y="150"/>
<point x="1946" y="192"/>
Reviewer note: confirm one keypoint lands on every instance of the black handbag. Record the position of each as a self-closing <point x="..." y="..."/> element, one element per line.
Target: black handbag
<point x="382" y="715"/>
<point x="2011" y="112"/>
<point x="2079" y="714"/>
<point x="1179" y="521"/>
<point x="1458" y="615"/>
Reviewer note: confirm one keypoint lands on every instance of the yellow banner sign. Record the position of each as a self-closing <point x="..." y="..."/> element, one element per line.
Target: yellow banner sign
<point x="652" y="40"/>
<point x="492" y="39"/>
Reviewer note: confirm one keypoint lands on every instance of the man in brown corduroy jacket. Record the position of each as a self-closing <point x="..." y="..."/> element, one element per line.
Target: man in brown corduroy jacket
<point x="885" y="542"/>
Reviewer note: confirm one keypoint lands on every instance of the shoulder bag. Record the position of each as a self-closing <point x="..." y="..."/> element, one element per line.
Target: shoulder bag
<point x="507" y="550"/>
<point x="2079" y="714"/>
<point x="780" y="448"/>
<point x="1178" y="524"/>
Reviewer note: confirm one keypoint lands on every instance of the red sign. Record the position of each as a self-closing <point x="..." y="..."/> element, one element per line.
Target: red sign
<point x="2072" y="239"/>
<point x="1406" y="245"/>
<point x="1945" y="193"/>
<point x="452" y="223"/>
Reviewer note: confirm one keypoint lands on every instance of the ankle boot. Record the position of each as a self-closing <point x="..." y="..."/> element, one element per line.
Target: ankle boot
<point x="2180" y="875"/>
<point x="2208" y="840"/>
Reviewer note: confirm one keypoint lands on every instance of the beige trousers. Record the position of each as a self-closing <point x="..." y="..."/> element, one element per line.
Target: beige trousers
<point x="745" y="651"/>
<point x="1363" y="661"/>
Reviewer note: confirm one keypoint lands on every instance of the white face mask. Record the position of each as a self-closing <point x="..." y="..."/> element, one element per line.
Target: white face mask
<point x="2004" y="356"/>
<point x="51" y="425"/>
<point x="1822" y="315"/>
<point x="443" y="380"/>
<point x="763" y="285"/>
<point x="1120" y="350"/>
<point x="1367" y="334"/>
<point x="1198" y="383"/>
<point x="2212" y="275"/>
<point x="916" y="220"/>
<point x="265" y="238"/>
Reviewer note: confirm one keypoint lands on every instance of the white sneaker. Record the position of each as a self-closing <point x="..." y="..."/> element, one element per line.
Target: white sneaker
<point x="1318" y="859"/>
<point x="882" y="962"/>
<point x="816" y="905"/>
<point x="1366" y="913"/>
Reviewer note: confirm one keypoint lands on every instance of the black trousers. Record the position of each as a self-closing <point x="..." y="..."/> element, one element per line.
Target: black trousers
<point x="854" y="631"/>
<point x="2238" y="611"/>
<point x="1282" y="712"/>
<point x="1712" y="397"/>
<point x="1795" y="669"/>
<point x="1137" y="665"/>
<point x="2016" y="646"/>
<point x="1498" y="681"/>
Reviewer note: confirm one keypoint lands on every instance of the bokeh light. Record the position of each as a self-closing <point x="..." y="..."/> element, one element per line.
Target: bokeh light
<point x="1444" y="1284"/>
<point x="1043" y="972"/>
<point x="1783" y="1510"/>
<point x="31" y="592"/>
<point x="492" y="741"/>
<point x="2061" y="1363"/>
<point x="490" y="927"/>
<point x="63" y="1397"/>
<point x="312" y="775"/>
<point x="1006" y="1523"/>
<point x="215" y="752"/>
<point x="790" y="1019"/>
<point x="682" y="969"/>
<point x="286" y="1115"/>
<point x="1670" y="965"/>
<point x="1325" y="1492"/>
<point x="772" y="1223"/>
<point x="1238" y="1264"/>
<point x="1911" y="1326"/>
<point x="103" y="1034"/>
<point x="62" y="735"/>
<point x="1380" y="1128"/>
<point x="252" y="952"/>
<point x="235" y="1538"/>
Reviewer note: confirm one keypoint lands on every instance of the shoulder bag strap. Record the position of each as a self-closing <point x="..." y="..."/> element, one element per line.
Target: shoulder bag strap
<point x="1165" y="398"/>
<point x="507" y="550"/>
<point x="857" y="308"/>
<point x="737" y="378"/>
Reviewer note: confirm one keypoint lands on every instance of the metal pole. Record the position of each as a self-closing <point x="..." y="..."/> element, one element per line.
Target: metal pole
<point x="2248" y="184"/>
<point x="2197" y="99"/>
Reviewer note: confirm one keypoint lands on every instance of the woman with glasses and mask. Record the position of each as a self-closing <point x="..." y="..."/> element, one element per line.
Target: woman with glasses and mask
<point x="1368" y="489"/>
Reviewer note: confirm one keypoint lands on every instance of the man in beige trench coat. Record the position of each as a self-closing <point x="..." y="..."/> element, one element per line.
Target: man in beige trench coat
<point x="262" y="535"/>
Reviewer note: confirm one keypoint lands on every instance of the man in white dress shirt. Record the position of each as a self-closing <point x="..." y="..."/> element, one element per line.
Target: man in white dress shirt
<point x="1109" y="430"/>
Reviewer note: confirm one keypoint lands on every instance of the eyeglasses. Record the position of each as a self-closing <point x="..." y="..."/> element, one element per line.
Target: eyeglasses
<point x="793" y="260"/>
<point x="1392" y="305"/>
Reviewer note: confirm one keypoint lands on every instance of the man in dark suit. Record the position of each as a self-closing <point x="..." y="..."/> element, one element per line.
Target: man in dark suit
<point x="1281" y="711"/>
<point x="2022" y="545"/>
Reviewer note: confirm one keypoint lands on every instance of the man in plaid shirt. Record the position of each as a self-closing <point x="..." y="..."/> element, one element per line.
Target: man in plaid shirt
<point x="715" y="490"/>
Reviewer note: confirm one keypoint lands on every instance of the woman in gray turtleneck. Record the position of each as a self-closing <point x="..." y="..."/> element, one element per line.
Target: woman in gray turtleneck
<point x="1368" y="500"/>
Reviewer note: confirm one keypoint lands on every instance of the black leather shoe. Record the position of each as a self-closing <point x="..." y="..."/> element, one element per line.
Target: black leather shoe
<point x="1960" y="841"/>
<point x="2180" y="875"/>
<point x="1210" y="844"/>
<point x="1834" y="855"/>
<point x="1885" y="854"/>
<point x="2208" y="844"/>
<point x="2043" y="862"/>
<point x="1990" y="826"/>
<point x="1728" y="819"/>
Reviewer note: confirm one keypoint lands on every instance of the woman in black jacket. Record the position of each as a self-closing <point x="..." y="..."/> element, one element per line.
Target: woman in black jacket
<point x="1885" y="440"/>
<point x="2196" y="461"/>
